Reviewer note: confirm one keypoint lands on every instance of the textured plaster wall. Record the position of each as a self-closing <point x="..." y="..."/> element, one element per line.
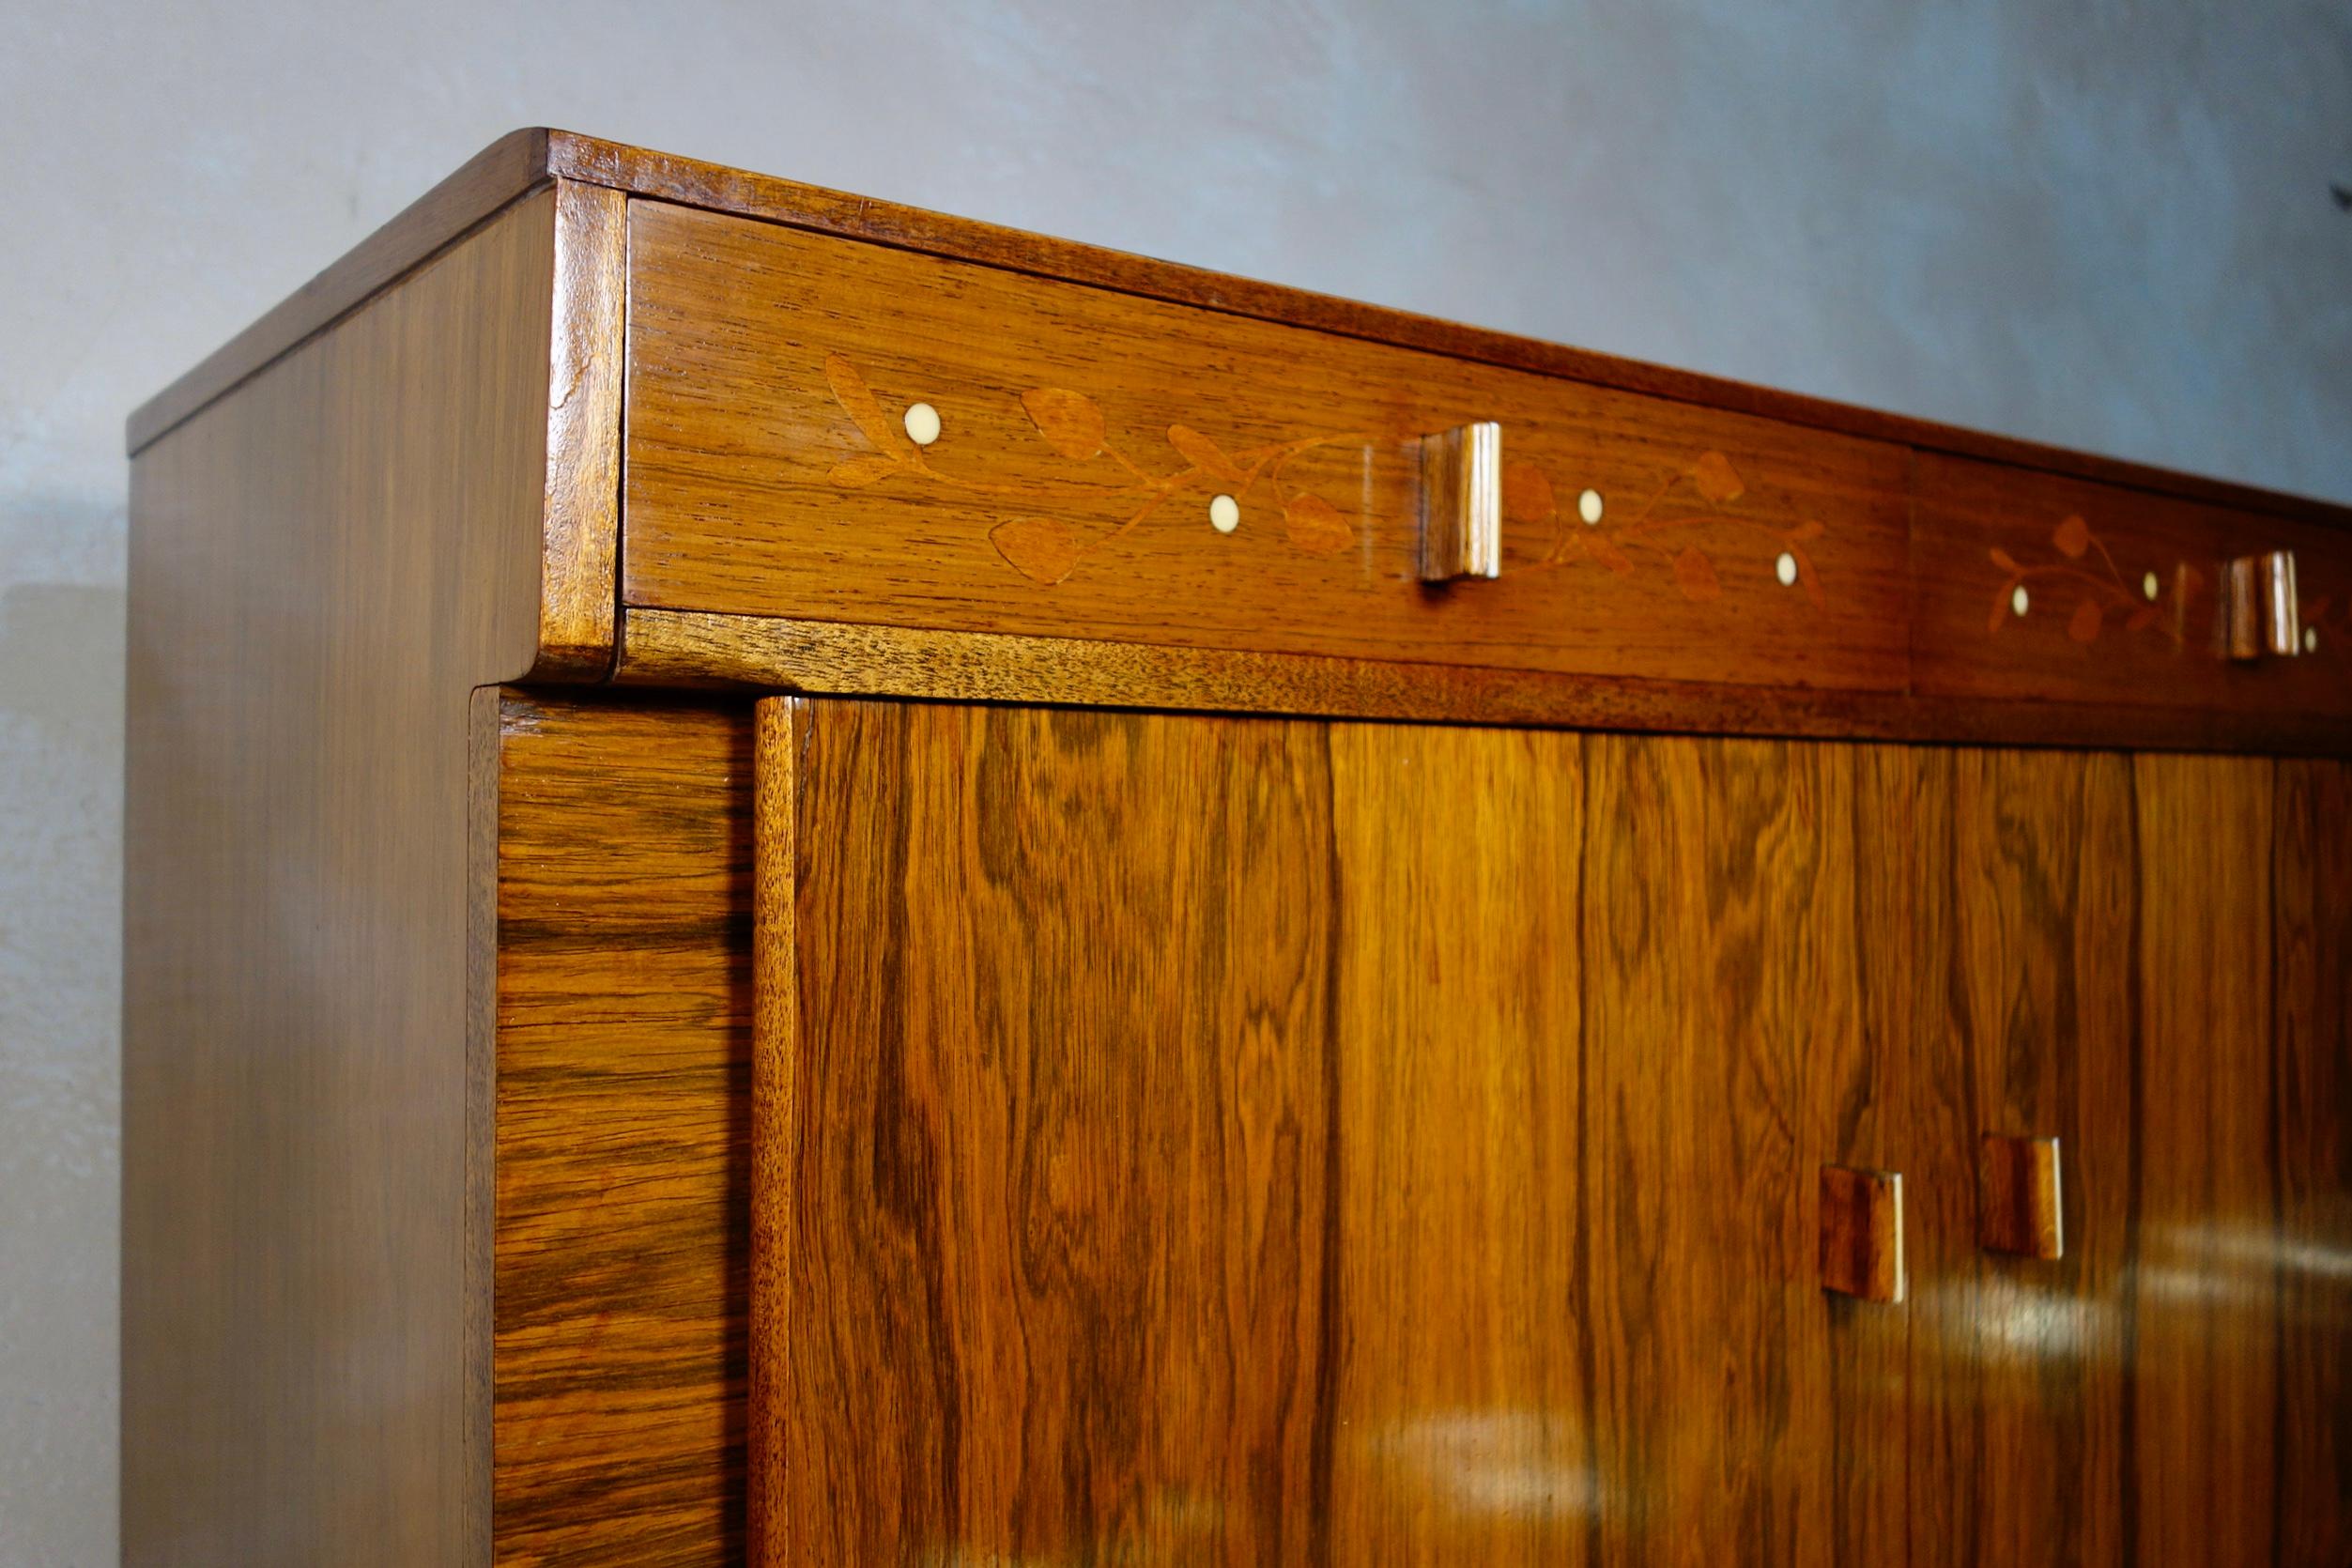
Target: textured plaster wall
<point x="2100" y="223"/>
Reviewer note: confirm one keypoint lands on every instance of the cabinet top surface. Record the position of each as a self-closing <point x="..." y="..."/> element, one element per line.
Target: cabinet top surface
<point x="525" y="160"/>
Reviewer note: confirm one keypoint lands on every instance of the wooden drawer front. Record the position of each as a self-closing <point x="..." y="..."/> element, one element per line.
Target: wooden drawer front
<point x="1084" y="434"/>
<point x="2086" y="628"/>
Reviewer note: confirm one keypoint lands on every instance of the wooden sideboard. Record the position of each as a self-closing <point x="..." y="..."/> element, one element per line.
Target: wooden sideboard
<point x="813" y="884"/>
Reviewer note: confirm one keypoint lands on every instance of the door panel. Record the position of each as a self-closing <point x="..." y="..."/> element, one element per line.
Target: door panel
<point x="1463" y="1416"/>
<point x="2024" y="1006"/>
<point x="1051" y="1211"/>
<point x="1241" y="1142"/>
<point x="1238" y="1141"/>
<point x="2104" y="928"/>
<point x="2205" y="1297"/>
<point x="2312" y="1088"/>
<point x="1731" y="984"/>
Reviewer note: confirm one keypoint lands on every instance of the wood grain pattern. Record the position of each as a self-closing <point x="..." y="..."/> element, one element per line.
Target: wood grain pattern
<point x="667" y="648"/>
<point x="623" y="1132"/>
<point x="2080" y="554"/>
<point x="774" y="1112"/>
<point x="1393" y="1273"/>
<point x="1728" y="989"/>
<point x="2311" y="881"/>
<point x="1462" y="1426"/>
<point x="2020" y="1197"/>
<point x="525" y="160"/>
<point x="2205" y="1305"/>
<point x="767" y="474"/>
<point x="1227" y="1139"/>
<point x="316" y="586"/>
<point x="1059" y="1192"/>
<point x="2024" y="1016"/>
<point x="580" y="593"/>
<point x="1518" y="1410"/>
<point x="1862" y="1234"/>
<point x="691" y="183"/>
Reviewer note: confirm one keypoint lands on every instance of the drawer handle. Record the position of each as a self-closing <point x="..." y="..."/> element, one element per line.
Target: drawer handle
<point x="1461" y="502"/>
<point x="2017" y="1196"/>
<point x="1861" y="1233"/>
<point x="2259" y="612"/>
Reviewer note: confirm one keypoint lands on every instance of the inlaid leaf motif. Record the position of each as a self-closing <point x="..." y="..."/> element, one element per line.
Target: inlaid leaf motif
<point x="853" y="473"/>
<point x="1527" y="493"/>
<point x="2085" y="624"/>
<point x="1695" y="575"/>
<point x="1715" y="478"/>
<point x="1203" y="453"/>
<point x="2007" y="561"/>
<point x="1315" y="526"/>
<point x="2141" y="619"/>
<point x="1810" y="579"/>
<point x="1806" y="529"/>
<point x="1605" y="551"/>
<point x="2073" y="537"/>
<point x="1070" y="422"/>
<point x="851" y="391"/>
<point x="1039" y="548"/>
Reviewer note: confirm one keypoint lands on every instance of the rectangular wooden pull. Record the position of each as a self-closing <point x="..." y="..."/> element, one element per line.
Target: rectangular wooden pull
<point x="1461" y="503"/>
<point x="2261" y="608"/>
<point x="1861" y="1233"/>
<point x="2017" y="1194"/>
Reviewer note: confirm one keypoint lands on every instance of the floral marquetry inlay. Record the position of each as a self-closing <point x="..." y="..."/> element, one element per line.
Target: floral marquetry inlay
<point x="2080" y="577"/>
<point x="1677" y="527"/>
<point x="2082" y="574"/>
<point x="1673" y="528"/>
<point x="1048" y="550"/>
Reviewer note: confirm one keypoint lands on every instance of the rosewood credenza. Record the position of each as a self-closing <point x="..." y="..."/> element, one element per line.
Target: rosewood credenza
<point x="814" y="885"/>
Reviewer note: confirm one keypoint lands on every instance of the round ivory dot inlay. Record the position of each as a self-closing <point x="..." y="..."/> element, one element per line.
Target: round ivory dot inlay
<point x="2311" y="640"/>
<point x="1224" y="513"/>
<point x="2148" y="585"/>
<point x="2019" y="602"/>
<point x="922" y="423"/>
<point x="1785" y="569"/>
<point x="1588" y="506"/>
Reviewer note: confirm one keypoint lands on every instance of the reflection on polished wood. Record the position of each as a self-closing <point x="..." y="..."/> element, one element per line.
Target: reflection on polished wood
<point x="1181" y="1155"/>
<point x="2312" y="1036"/>
<point x="2203" y="1482"/>
<point x="1207" y="1134"/>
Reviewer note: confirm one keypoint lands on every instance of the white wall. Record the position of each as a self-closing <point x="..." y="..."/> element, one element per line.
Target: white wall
<point x="2100" y="223"/>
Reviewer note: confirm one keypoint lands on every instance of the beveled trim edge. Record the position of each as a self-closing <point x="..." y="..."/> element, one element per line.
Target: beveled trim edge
<point x="690" y="649"/>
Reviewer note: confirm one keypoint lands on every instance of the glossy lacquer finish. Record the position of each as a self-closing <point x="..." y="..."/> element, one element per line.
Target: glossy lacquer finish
<point x="1245" y="1142"/>
<point x="2142" y="958"/>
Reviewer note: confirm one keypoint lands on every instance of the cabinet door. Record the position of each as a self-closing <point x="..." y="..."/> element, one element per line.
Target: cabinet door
<point x="2311" y="1088"/>
<point x="2026" y="1000"/>
<point x="2143" y="959"/>
<point x="1244" y="1142"/>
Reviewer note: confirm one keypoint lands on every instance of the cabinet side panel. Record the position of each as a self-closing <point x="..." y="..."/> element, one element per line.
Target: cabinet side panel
<point x="2314" y="1091"/>
<point x="324" y="564"/>
<point x="623" y="1062"/>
